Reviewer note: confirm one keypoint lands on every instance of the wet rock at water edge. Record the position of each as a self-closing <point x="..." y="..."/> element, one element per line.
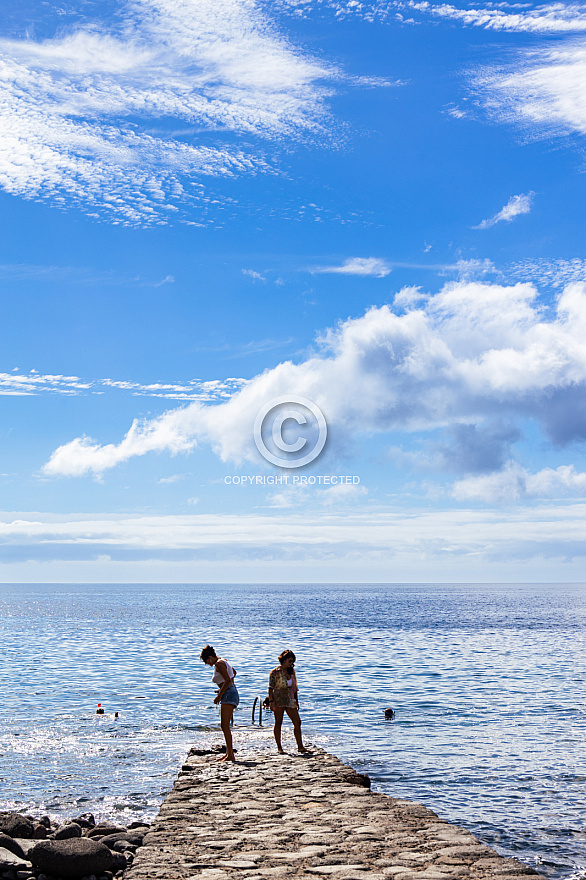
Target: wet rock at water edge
<point x="86" y="820"/>
<point x="71" y="859"/>
<point x="16" y="825"/>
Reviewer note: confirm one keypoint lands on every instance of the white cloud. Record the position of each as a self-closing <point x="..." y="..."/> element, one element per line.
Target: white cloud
<point x="516" y="206"/>
<point x="288" y="497"/>
<point x="502" y="16"/>
<point x="358" y="542"/>
<point x="69" y="106"/>
<point x="20" y="384"/>
<point x="357" y="266"/>
<point x="174" y="478"/>
<point x="514" y="483"/>
<point x="343" y="493"/>
<point x="409" y="298"/>
<point x="554" y="273"/>
<point x="544" y="92"/>
<point x="256" y="276"/>
<point x="553" y="18"/>
<point x="474" y="354"/>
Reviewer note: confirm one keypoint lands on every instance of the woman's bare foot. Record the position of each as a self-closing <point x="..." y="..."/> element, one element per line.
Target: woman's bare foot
<point x="281" y="751"/>
<point x="227" y="758"/>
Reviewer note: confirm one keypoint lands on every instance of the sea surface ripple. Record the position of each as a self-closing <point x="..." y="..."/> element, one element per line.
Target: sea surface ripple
<point x="487" y="682"/>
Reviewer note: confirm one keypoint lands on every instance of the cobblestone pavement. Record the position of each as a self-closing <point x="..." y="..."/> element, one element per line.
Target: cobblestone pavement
<point x="278" y="816"/>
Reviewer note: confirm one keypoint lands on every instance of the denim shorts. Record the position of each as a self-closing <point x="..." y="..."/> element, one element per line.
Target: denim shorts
<point x="230" y="696"/>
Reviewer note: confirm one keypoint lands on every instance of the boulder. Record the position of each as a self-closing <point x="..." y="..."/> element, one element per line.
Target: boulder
<point x="11" y="862"/>
<point x="353" y="778"/>
<point x="67" y="831"/>
<point x="16" y="825"/>
<point x="11" y="845"/>
<point x="71" y="859"/>
<point x="105" y="828"/>
<point x="119" y="863"/>
<point x="26" y="844"/>
<point x="86" y="820"/>
<point x="40" y="831"/>
<point x="130" y="837"/>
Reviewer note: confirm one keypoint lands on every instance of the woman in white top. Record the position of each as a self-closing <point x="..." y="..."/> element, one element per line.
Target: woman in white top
<point x="283" y="698"/>
<point x="227" y="697"/>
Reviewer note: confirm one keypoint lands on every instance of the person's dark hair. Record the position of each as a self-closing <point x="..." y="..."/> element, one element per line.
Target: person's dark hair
<point x="207" y="652"/>
<point x="286" y="655"/>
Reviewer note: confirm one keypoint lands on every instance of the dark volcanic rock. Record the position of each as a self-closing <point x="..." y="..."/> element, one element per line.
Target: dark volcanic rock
<point x="133" y="837"/>
<point x="67" y="831"/>
<point x="119" y="862"/>
<point x="9" y="861"/>
<point x="357" y="779"/>
<point x="11" y="845"/>
<point x="105" y="828"/>
<point x="86" y="820"/>
<point x="16" y="825"/>
<point x="71" y="859"/>
<point x="40" y="831"/>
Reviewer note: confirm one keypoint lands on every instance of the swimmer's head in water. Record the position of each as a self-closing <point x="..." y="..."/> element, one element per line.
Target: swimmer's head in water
<point x="207" y="654"/>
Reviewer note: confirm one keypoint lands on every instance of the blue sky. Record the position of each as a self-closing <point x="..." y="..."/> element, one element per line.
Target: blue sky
<point x="375" y="206"/>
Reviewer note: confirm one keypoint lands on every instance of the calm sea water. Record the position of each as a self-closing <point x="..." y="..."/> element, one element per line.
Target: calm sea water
<point x="488" y="683"/>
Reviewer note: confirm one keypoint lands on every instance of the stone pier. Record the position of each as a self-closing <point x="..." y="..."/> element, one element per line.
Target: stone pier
<point x="279" y="816"/>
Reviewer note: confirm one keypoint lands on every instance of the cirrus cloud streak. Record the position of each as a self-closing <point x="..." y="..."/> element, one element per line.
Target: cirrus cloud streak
<point x="88" y="118"/>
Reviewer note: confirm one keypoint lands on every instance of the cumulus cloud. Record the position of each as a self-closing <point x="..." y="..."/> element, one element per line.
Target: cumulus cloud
<point x="82" y="115"/>
<point x="357" y="266"/>
<point x="474" y="354"/>
<point x="516" y="206"/>
<point x="544" y="91"/>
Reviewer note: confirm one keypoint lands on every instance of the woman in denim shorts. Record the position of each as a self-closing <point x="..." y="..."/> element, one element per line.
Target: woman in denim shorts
<point x="227" y="697"/>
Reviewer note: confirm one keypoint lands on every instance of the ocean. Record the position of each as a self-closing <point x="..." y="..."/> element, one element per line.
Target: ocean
<point x="488" y="683"/>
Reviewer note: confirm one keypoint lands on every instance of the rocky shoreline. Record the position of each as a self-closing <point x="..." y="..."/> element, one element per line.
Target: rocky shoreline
<point x="39" y="849"/>
<point x="265" y="817"/>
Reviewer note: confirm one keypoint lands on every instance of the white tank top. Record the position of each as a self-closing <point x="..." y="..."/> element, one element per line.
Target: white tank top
<point x="218" y="678"/>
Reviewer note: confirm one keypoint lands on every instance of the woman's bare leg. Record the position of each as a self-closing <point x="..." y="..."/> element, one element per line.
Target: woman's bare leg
<point x="226" y="712"/>
<point x="294" y="716"/>
<point x="278" y="713"/>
